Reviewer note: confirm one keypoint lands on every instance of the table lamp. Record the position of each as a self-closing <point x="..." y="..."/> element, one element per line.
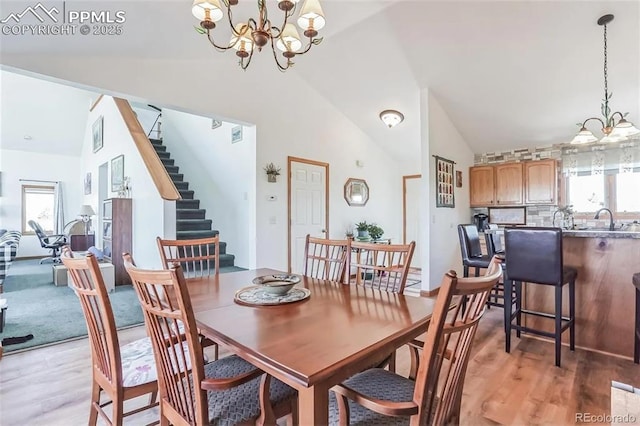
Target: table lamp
<point x="86" y="211"/>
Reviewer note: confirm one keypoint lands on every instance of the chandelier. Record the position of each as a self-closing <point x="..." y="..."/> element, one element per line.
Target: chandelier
<point x="614" y="131"/>
<point x="252" y="34"/>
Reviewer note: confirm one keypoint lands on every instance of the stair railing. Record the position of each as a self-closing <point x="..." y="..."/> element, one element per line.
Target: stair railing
<point x="158" y="173"/>
<point x="156" y="124"/>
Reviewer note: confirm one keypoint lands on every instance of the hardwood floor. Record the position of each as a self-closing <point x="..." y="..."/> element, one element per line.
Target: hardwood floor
<point x="52" y="385"/>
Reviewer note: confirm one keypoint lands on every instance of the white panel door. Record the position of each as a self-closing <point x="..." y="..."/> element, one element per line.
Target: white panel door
<point x="412" y="218"/>
<point x="308" y="208"/>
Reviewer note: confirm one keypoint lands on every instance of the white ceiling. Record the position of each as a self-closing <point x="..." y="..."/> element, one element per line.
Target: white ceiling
<point x="509" y="74"/>
<point x="52" y="115"/>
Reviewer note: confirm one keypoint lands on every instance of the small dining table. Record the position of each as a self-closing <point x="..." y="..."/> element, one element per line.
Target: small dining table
<point x="313" y="344"/>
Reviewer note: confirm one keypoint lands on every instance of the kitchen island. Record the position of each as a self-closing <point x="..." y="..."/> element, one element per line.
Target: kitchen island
<point x="605" y="296"/>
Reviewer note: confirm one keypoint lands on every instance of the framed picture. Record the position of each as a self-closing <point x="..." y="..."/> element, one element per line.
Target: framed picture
<point x="236" y="134"/>
<point x="87" y="184"/>
<point x="97" y="134"/>
<point x="444" y="183"/>
<point x="117" y="173"/>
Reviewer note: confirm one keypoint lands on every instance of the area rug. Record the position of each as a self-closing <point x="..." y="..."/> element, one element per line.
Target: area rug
<point x="53" y="314"/>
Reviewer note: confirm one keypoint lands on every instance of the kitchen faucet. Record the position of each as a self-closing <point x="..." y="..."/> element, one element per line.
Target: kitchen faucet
<point x="597" y="216"/>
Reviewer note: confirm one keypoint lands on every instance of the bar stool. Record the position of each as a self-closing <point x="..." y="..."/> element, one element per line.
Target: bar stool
<point x="636" y="345"/>
<point x="494" y="247"/>
<point x="534" y="255"/>
<point x="471" y="251"/>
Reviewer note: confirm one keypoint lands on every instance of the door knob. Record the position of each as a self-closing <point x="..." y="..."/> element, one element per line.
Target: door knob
<point x="324" y="231"/>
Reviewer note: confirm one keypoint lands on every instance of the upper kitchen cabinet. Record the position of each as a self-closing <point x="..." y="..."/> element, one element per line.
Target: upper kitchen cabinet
<point x="508" y="184"/>
<point x="540" y="182"/>
<point x="514" y="184"/>
<point x="482" y="186"/>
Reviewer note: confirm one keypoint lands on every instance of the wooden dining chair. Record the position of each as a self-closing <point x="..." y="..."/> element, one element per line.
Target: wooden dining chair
<point x="381" y="266"/>
<point x="326" y="259"/>
<point x="121" y="372"/>
<point x="435" y="395"/>
<point x="227" y="391"/>
<point x="198" y="257"/>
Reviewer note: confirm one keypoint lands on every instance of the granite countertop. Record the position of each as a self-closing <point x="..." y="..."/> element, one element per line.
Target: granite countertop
<point x="591" y="233"/>
<point x="599" y="233"/>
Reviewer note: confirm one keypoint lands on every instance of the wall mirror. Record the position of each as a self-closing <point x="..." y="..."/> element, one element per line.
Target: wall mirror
<point x="356" y="192"/>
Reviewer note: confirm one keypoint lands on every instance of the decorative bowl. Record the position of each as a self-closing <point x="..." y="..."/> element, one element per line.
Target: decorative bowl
<point x="277" y="284"/>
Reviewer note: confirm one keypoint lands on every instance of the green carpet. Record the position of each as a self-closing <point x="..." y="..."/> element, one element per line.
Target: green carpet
<point x="53" y="314"/>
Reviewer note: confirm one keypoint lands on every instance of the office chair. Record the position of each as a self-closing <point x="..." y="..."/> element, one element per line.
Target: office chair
<point x="52" y="242"/>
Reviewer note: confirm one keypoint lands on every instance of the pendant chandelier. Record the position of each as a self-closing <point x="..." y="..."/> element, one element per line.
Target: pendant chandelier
<point x="614" y="131"/>
<point x="252" y="34"/>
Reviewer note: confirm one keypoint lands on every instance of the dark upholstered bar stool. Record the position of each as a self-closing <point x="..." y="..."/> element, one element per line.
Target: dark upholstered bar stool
<point x="494" y="243"/>
<point x="534" y="255"/>
<point x="471" y="251"/>
<point x="636" y="342"/>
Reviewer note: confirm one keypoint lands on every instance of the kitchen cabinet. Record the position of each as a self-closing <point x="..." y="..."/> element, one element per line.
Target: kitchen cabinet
<point x="482" y="186"/>
<point x="514" y="184"/>
<point x="509" y="184"/>
<point x="540" y="182"/>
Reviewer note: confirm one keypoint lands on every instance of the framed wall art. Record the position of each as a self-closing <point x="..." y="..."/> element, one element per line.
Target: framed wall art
<point x="117" y="173"/>
<point x="445" y="184"/>
<point x="97" y="131"/>
<point x="508" y="215"/>
<point x="236" y="134"/>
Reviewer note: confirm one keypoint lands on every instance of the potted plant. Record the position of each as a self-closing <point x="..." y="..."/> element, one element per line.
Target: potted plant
<point x="375" y="232"/>
<point x="272" y="172"/>
<point x="363" y="230"/>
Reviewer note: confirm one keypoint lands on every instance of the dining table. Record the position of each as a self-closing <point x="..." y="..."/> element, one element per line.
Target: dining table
<point x="313" y="344"/>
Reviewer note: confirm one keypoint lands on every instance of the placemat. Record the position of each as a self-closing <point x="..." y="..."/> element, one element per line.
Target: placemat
<point x="257" y="296"/>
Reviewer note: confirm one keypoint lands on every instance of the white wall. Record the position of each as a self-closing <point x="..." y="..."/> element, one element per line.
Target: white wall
<point x="222" y="174"/>
<point x="148" y="207"/>
<point x="16" y="165"/>
<point x="445" y="141"/>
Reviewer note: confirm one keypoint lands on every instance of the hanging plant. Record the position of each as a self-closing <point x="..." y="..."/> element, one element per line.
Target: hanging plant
<point x="272" y="171"/>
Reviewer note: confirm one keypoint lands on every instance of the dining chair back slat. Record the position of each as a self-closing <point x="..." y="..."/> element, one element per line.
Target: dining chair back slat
<point x="326" y="259"/>
<point x="197" y="257"/>
<point x="381" y="266"/>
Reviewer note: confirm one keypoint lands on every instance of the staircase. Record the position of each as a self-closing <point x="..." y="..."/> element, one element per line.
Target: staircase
<point x="190" y="218"/>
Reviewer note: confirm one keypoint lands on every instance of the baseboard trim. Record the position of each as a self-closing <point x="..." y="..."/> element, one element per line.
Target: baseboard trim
<point x="431" y="293"/>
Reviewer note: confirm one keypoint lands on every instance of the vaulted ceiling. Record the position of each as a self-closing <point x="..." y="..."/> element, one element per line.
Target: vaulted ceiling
<point x="509" y="74"/>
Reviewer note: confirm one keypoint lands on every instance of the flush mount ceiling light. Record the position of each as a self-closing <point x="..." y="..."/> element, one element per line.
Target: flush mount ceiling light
<point x="613" y="131"/>
<point x="391" y="117"/>
<point x="246" y="36"/>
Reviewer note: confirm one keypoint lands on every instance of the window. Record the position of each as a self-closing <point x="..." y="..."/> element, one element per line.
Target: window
<point x="627" y="199"/>
<point x="605" y="175"/>
<point x="38" y="205"/>
<point x="617" y="192"/>
<point x="586" y="193"/>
